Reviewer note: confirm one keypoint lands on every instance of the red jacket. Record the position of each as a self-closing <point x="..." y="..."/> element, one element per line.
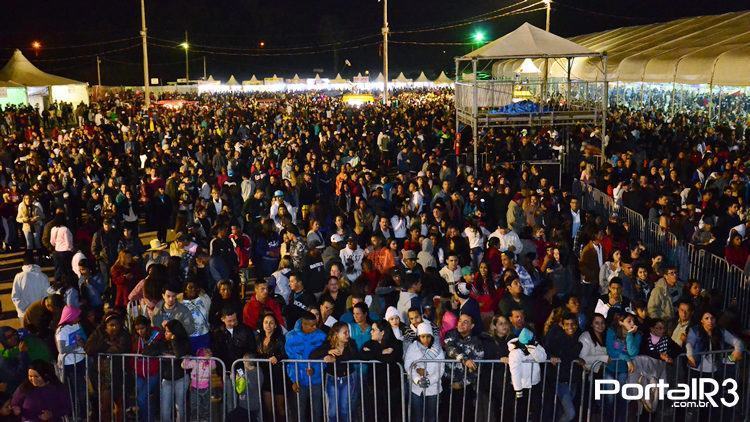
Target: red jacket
<point x="254" y="309"/>
<point x="242" y="248"/>
<point x="147" y="367"/>
<point x="119" y="278"/>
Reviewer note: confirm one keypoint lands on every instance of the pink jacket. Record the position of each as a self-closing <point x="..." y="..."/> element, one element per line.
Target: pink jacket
<point x="200" y="376"/>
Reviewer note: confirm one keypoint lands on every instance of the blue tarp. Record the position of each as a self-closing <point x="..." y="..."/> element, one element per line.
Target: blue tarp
<point x="521" y="107"/>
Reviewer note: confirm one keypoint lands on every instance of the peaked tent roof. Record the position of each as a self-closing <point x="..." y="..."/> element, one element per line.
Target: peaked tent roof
<point x="339" y="79"/>
<point x="10" y="84"/>
<point x="401" y="78"/>
<point x="232" y="81"/>
<point x="422" y="78"/>
<point x="443" y="79"/>
<point x="211" y="78"/>
<point x="20" y="70"/>
<point x="295" y="79"/>
<point x="529" y="41"/>
<point x="379" y="78"/>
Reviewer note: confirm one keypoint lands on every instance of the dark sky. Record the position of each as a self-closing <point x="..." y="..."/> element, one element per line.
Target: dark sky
<point x="229" y="32"/>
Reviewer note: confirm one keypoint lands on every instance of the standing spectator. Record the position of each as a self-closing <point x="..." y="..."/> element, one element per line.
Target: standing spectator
<point x="388" y="351"/>
<point x="161" y="212"/>
<point x="147" y="342"/>
<point x="706" y="336"/>
<point x="123" y="274"/>
<point x="104" y="248"/>
<point x="70" y="339"/>
<point x="306" y="379"/>
<point x="342" y="385"/>
<point x="684" y="320"/>
<point x="593" y="343"/>
<point x="351" y="256"/>
<point x="61" y="239"/>
<point x="463" y="346"/>
<point x="664" y="296"/>
<point x="174" y="384"/>
<point x="107" y="374"/>
<point x="564" y="348"/>
<point x="424" y="377"/>
<point x="169" y="308"/>
<point x="300" y="300"/>
<point x="589" y="265"/>
<point x="198" y="303"/>
<point x="29" y="286"/>
<point x="31" y="217"/>
<point x="200" y="383"/>
<point x="260" y="303"/>
<point x="270" y="345"/>
<point x="623" y="344"/>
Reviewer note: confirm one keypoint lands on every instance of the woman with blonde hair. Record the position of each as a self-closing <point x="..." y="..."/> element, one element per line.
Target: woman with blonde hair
<point x="123" y="274"/>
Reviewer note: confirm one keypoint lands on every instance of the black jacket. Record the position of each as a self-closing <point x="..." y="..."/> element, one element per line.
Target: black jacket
<point x="299" y="304"/>
<point x="567" y="348"/>
<point x="229" y="347"/>
<point x="341" y="367"/>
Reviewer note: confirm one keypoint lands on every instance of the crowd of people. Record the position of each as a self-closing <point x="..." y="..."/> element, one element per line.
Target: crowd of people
<point x="293" y="229"/>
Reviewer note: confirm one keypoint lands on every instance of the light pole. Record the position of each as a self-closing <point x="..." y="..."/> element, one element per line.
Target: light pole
<point x="98" y="71"/>
<point x="548" y="4"/>
<point x="385" y="51"/>
<point x="36" y="46"/>
<point x="185" y="45"/>
<point x="146" y="88"/>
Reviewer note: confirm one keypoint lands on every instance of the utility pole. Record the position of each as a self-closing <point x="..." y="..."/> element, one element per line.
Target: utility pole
<point x="204" y="68"/>
<point x="187" y="65"/>
<point x="548" y="4"/>
<point x="98" y="71"/>
<point x="146" y="88"/>
<point x="385" y="51"/>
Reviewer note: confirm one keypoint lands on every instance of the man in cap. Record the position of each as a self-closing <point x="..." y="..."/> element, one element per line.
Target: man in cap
<point x="351" y="257"/>
<point x="409" y="264"/>
<point x="332" y="254"/>
<point x="469" y="306"/>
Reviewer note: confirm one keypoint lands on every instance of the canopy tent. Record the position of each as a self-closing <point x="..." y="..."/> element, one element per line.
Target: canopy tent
<point x="296" y="80"/>
<point x="253" y="81"/>
<point x="528" y="41"/>
<point x="211" y="81"/>
<point x="422" y="78"/>
<point x="41" y="84"/>
<point x="232" y="81"/>
<point x="380" y="78"/>
<point x="12" y="93"/>
<point x="696" y="50"/>
<point x="443" y="79"/>
<point x="339" y="80"/>
<point x="401" y="78"/>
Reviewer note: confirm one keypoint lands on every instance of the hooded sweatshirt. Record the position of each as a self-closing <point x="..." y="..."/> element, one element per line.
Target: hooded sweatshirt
<point x="425" y="258"/>
<point x="298" y="346"/>
<point x="29" y="285"/>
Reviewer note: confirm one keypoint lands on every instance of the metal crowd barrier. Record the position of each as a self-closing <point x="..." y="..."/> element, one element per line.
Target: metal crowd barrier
<point x="115" y="384"/>
<point x="693" y="262"/>
<point x="487" y="393"/>
<point x="371" y="391"/>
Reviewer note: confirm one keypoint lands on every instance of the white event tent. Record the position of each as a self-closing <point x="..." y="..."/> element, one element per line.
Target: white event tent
<point x="43" y="88"/>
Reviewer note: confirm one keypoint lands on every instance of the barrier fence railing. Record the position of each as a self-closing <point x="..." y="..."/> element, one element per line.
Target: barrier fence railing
<point x="528" y="387"/>
<point x="693" y="262"/>
<point x="114" y="387"/>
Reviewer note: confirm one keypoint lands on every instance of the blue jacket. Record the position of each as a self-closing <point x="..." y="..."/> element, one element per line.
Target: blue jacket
<point x="622" y="351"/>
<point x="298" y="347"/>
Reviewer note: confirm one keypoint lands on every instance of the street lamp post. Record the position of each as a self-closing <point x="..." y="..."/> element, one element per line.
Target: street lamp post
<point x="185" y="45"/>
<point x="548" y="4"/>
<point x="36" y="46"/>
<point x="385" y="51"/>
<point x="146" y="88"/>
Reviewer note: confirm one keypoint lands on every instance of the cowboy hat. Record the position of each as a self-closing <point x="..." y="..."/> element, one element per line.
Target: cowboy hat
<point x="156" y="245"/>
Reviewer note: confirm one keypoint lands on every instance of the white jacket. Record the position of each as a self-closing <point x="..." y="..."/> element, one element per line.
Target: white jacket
<point x="507" y="240"/>
<point x="29" y="285"/>
<point x="525" y="371"/>
<point x="416" y="352"/>
<point x="591" y="352"/>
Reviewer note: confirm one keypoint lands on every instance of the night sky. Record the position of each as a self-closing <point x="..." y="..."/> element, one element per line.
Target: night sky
<point x="228" y="33"/>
